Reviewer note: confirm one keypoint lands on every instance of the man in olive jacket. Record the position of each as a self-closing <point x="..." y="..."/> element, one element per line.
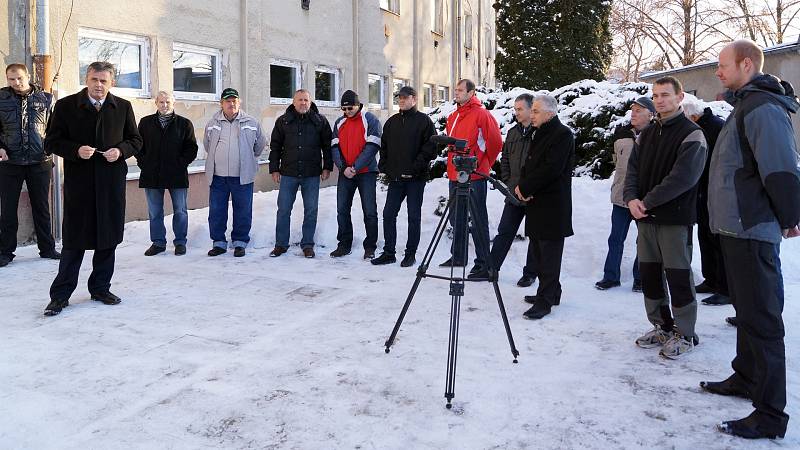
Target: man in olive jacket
<point x="94" y="131"/>
<point x="169" y="146"/>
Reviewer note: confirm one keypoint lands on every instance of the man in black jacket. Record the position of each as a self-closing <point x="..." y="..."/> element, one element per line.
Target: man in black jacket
<point x="661" y="193"/>
<point x="168" y="147"/>
<point x="546" y="185"/>
<point x="94" y="132"/>
<point x="24" y="111"/>
<point x="300" y="156"/>
<point x="406" y="153"/>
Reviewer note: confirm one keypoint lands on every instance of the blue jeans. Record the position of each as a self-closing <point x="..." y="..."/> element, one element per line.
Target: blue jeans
<point x="180" y="217"/>
<point x="309" y="189"/>
<point x="345" y="190"/>
<point x="222" y="189"/>
<point x="480" y="235"/>
<point x="620" y="222"/>
<point x="506" y="232"/>
<point x="412" y="191"/>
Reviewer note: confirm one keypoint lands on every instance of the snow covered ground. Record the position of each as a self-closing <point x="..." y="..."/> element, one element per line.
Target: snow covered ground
<point x="287" y="353"/>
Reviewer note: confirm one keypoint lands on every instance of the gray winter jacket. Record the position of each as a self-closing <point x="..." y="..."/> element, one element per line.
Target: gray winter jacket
<point x="754" y="182"/>
<point x="624" y="138"/>
<point x="252" y="142"/>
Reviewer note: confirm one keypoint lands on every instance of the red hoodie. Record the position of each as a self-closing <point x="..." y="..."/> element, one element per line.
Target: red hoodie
<point x="474" y="123"/>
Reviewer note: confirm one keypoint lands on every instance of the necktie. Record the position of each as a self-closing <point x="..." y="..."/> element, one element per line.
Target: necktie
<point x="98" y="105"/>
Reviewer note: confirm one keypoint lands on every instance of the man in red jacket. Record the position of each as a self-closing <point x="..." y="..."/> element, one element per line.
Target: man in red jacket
<point x="472" y="122"/>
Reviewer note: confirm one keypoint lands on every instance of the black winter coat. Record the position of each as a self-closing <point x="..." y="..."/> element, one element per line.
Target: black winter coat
<point x="547" y="176"/>
<point x="406" y="150"/>
<point x="301" y="144"/>
<point x="25" y="146"/>
<point x="166" y="152"/>
<point x="711" y="126"/>
<point x="94" y="189"/>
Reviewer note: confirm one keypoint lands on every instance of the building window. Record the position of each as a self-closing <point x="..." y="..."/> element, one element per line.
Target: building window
<point x="437" y="24"/>
<point x="397" y="83"/>
<point x="468" y="31"/>
<point x="376" y="91"/>
<point x="326" y="86"/>
<point x="428" y="95"/>
<point x="391" y="6"/>
<point x="489" y="43"/>
<point x="196" y="72"/>
<point x="284" y="79"/>
<point x="443" y="93"/>
<point x="128" y="53"/>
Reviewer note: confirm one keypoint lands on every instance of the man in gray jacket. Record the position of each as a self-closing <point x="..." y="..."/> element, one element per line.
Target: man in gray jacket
<point x="753" y="202"/>
<point x="233" y="141"/>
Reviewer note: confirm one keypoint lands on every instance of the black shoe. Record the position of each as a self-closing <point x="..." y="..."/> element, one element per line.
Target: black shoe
<point x="340" y="251"/>
<point x="5" y="260"/>
<point x="369" y="253"/>
<point x="107" y="298"/>
<point x="54" y="307"/>
<point x="531" y="299"/>
<point x="539" y="309"/>
<point x="749" y="428"/>
<point x="450" y="262"/>
<point x="705" y="288"/>
<point x="729" y="387"/>
<point x="606" y="284"/>
<point x="216" y="251"/>
<point x="478" y="274"/>
<point x="408" y="260"/>
<point x="238" y="252"/>
<point x="154" y="250"/>
<point x="637" y="286"/>
<point x="52" y="254"/>
<point x="277" y="251"/>
<point x="525" y="281"/>
<point x="717" y="300"/>
<point x="732" y="321"/>
<point x="385" y="258"/>
<point x="180" y="250"/>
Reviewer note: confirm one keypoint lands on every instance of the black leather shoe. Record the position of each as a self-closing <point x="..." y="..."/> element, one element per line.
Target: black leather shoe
<point x="385" y="258"/>
<point x="606" y="284"/>
<point x="637" y="286"/>
<point x="54" y="307"/>
<point x="107" y="298"/>
<point x="525" y="281"/>
<point x="53" y="254"/>
<point x="216" y="251"/>
<point x="732" y="321"/>
<point x="729" y="387"/>
<point x="531" y="299"/>
<point x="238" y="252"/>
<point x="408" y="260"/>
<point x="717" y="300"/>
<point x="180" y="250"/>
<point x="339" y="252"/>
<point x="750" y="428"/>
<point x="5" y="260"/>
<point x="705" y="288"/>
<point x="539" y="309"/>
<point x="479" y="274"/>
<point x="452" y="263"/>
<point x="154" y="250"/>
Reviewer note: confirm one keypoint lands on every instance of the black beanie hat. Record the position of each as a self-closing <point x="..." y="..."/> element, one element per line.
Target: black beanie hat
<point x="350" y="98"/>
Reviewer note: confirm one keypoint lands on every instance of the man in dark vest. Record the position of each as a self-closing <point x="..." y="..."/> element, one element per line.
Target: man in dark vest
<point x="94" y="132"/>
<point x="661" y="194"/>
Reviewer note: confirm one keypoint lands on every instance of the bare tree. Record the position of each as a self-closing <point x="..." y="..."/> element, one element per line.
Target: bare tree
<point x="768" y="22"/>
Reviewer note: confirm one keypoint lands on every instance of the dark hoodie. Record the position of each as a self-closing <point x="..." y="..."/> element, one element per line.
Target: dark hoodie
<point x="754" y="182"/>
<point x="301" y="144"/>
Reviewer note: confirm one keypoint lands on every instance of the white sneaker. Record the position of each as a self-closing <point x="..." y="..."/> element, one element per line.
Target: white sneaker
<point x="676" y="347"/>
<point x="654" y="338"/>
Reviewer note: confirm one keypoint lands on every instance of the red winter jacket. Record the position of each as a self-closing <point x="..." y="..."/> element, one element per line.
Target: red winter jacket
<point x="474" y="123"/>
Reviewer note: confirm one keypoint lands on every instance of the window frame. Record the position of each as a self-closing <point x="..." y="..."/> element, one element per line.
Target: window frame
<point x="439" y="90"/>
<point x="382" y="79"/>
<point x="427" y="93"/>
<point x="468" y="26"/>
<point x="215" y="52"/>
<point x="388" y="6"/>
<point x="298" y="79"/>
<point x="437" y="18"/>
<point x="144" y="59"/>
<point x="337" y="74"/>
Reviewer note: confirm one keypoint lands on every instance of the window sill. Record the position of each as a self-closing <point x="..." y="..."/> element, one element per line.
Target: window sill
<point x="389" y="11"/>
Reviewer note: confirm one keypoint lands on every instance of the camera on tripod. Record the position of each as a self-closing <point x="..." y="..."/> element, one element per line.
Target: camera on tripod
<point x="464" y="163"/>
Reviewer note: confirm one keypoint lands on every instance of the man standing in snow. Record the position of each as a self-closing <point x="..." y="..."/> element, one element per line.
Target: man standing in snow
<point x="545" y="185"/>
<point x="753" y="201"/>
<point x="642" y="112"/>
<point x="661" y="194"/>
<point x="356" y="141"/>
<point x="473" y="123"/>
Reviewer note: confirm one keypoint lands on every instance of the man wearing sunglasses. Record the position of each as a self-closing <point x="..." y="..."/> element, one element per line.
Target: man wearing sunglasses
<point x="356" y="141"/>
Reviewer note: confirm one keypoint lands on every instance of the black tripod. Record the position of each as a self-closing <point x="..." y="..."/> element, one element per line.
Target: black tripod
<point x="463" y="214"/>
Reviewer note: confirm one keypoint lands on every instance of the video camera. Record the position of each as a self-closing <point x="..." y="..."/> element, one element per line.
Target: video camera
<point x="464" y="163"/>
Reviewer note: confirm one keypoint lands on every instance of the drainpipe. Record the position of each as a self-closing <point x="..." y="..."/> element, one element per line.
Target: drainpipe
<point x="356" y="68"/>
<point x="243" y="52"/>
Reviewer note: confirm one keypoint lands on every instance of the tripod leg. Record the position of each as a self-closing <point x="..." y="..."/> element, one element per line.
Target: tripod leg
<point x="452" y="347"/>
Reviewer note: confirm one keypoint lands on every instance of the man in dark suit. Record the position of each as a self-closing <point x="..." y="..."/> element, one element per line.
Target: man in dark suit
<point x="546" y="185"/>
<point x="94" y="132"/>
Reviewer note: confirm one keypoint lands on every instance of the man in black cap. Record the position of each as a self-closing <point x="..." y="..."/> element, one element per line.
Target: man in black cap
<point x="642" y="112"/>
<point x="406" y="153"/>
<point x="356" y="141"/>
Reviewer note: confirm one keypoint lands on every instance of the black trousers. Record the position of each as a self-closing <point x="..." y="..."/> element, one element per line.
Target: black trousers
<point x="547" y="264"/>
<point x="756" y="289"/>
<point x="711" y="261"/>
<point x="69" y="267"/>
<point x="506" y="233"/>
<point x="37" y="178"/>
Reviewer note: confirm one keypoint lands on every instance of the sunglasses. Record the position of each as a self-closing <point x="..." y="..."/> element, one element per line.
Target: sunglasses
<point x="348" y="108"/>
